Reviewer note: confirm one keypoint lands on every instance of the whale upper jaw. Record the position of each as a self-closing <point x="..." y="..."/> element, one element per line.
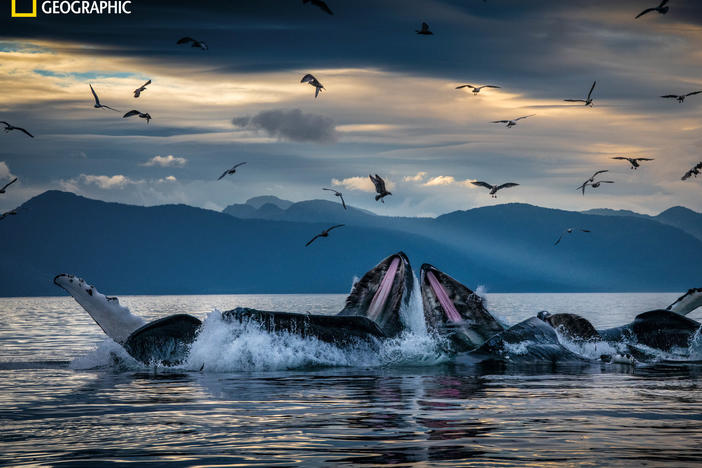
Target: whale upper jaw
<point x="115" y="320"/>
<point x="452" y="309"/>
<point x="381" y="292"/>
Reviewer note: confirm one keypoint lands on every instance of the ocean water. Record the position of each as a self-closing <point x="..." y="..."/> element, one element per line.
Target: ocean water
<point x="69" y="396"/>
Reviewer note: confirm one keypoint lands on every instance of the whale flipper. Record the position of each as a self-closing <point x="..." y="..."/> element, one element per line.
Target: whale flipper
<point x="688" y="302"/>
<point x="115" y="320"/>
<point x="453" y="310"/>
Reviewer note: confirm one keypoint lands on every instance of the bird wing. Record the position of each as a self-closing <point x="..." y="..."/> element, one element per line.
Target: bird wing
<point x="599" y="172"/>
<point x="343" y="203"/>
<point x="605" y="181"/>
<point x="582" y="187"/>
<point x="643" y="159"/>
<point x="146" y="84"/>
<point x="317" y="89"/>
<point x="685" y="176"/>
<point x="693" y="93"/>
<point x="323" y="6"/>
<point x="203" y="45"/>
<point x="237" y="165"/>
<point x="131" y="113"/>
<point x="334" y="227"/>
<point x="376" y="183"/>
<point x="480" y="183"/>
<point x="620" y="157"/>
<point x="185" y="40"/>
<point x="662" y="3"/>
<point x="6" y="124"/>
<point x="381" y="182"/>
<point x="558" y="240"/>
<point x="464" y="86"/>
<point x="490" y="86"/>
<point x="97" y="100"/>
<point x="312" y="240"/>
<point x="425" y="27"/>
<point x="585" y="230"/>
<point x="524" y="117"/>
<point x="647" y="10"/>
<point x="307" y="78"/>
<point x="108" y="107"/>
<point x="500" y="121"/>
<point x="25" y="131"/>
<point x="670" y="96"/>
<point x="507" y="185"/>
<point x="223" y="174"/>
<point x="575" y="100"/>
<point x="591" y="89"/>
<point x="15" y="180"/>
<point x="331" y="190"/>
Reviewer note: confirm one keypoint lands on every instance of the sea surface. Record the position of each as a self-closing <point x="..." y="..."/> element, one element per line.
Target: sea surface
<point x="69" y="396"/>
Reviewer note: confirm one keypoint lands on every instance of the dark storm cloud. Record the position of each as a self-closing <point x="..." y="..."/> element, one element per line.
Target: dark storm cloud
<point x="291" y="124"/>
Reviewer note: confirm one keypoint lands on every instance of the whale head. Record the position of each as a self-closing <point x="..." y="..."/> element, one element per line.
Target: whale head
<point x="453" y="310"/>
<point x="381" y="292"/>
<point x="115" y="320"/>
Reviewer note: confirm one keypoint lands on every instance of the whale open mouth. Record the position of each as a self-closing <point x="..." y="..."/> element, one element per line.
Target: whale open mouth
<point x="381" y="292"/>
<point x="452" y="309"/>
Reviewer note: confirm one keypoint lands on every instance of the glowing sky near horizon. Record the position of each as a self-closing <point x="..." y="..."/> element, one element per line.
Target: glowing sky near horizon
<point x="390" y="105"/>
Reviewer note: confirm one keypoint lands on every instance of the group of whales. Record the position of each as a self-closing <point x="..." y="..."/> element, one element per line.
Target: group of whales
<point x="453" y="313"/>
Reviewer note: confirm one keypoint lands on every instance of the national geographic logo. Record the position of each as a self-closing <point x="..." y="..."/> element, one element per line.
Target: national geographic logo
<point x="70" y="7"/>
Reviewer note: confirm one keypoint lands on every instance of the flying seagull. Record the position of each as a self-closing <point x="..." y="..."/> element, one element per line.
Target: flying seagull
<point x="9" y="128"/>
<point x="588" y="100"/>
<point x="594" y="184"/>
<point x="494" y="188"/>
<point x="6" y="214"/>
<point x="2" y="190"/>
<point x="338" y="194"/>
<point x="138" y="91"/>
<point x="680" y="98"/>
<point x="512" y="123"/>
<point x="591" y="180"/>
<point x="143" y="115"/>
<point x="379" y="187"/>
<point x="662" y="9"/>
<point x="231" y="171"/>
<point x="309" y="78"/>
<point x="569" y="231"/>
<point x="97" y="101"/>
<point x="476" y="89"/>
<point x="195" y="42"/>
<point x="324" y="233"/>
<point x="425" y="30"/>
<point x="695" y="171"/>
<point x="321" y="4"/>
<point x="633" y="161"/>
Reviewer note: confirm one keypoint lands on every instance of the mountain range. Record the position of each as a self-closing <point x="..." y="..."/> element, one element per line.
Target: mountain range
<point x="259" y="247"/>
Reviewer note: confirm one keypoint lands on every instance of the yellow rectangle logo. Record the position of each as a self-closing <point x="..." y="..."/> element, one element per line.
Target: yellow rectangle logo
<point x="32" y="14"/>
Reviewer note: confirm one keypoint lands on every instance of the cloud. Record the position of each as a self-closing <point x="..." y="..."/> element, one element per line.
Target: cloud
<point x="5" y="171"/>
<point x="363" y="184"/>
<point x="439" y="180"/>
<point x="166" y="161"/>
<point x="415" y="178"/>
<point x="103" y="181"/>
<point x="291" y="124"/>
<point x="170" y="178"/>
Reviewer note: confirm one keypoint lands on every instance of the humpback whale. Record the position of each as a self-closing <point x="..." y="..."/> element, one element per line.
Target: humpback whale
<point x="371" y="312"/>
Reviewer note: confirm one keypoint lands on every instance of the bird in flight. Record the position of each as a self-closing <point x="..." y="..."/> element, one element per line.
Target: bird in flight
<point x="338" y="194"/>
<point x="681" y="97"/>
<point x="695" y="171"/>
<point x="143" y="115"/>
<point x="595" y="184"/>
<point x="588" y="100"/>
<point x="569" y="231"/>
<point x="591" y="180"/>
<point x="320" y="4"/>
<point x="6" y="214"/>
<point x="8" y="128"/>
<point x="494" y="188"/>
<point x="662" y="9"/>
<point x="512" y="123"/>
<point x="231" y="171"/>
<point x="97" y="101"/>
<point x="140" y="89"/>
<point x="195" y="42"/>
<point x="2" y="190"/>
<point x="424" y="31"/>
<point x="379" y="187"/>
<point x="476" y="89"/>
<point x="309" y="78"/>
<point x="633" y="161"/>
<point x="324" y="233"/>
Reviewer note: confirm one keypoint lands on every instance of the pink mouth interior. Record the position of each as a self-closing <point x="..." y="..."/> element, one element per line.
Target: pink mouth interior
<point x="446" y="303"/>
<point x="381" y="295"/>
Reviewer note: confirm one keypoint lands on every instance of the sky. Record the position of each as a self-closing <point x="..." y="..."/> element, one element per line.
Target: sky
<point x="389" y="107"/>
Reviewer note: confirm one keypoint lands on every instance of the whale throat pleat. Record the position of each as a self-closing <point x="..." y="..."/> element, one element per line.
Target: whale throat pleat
<point x="446" y="303"/>
<point x="381" y="295"/>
